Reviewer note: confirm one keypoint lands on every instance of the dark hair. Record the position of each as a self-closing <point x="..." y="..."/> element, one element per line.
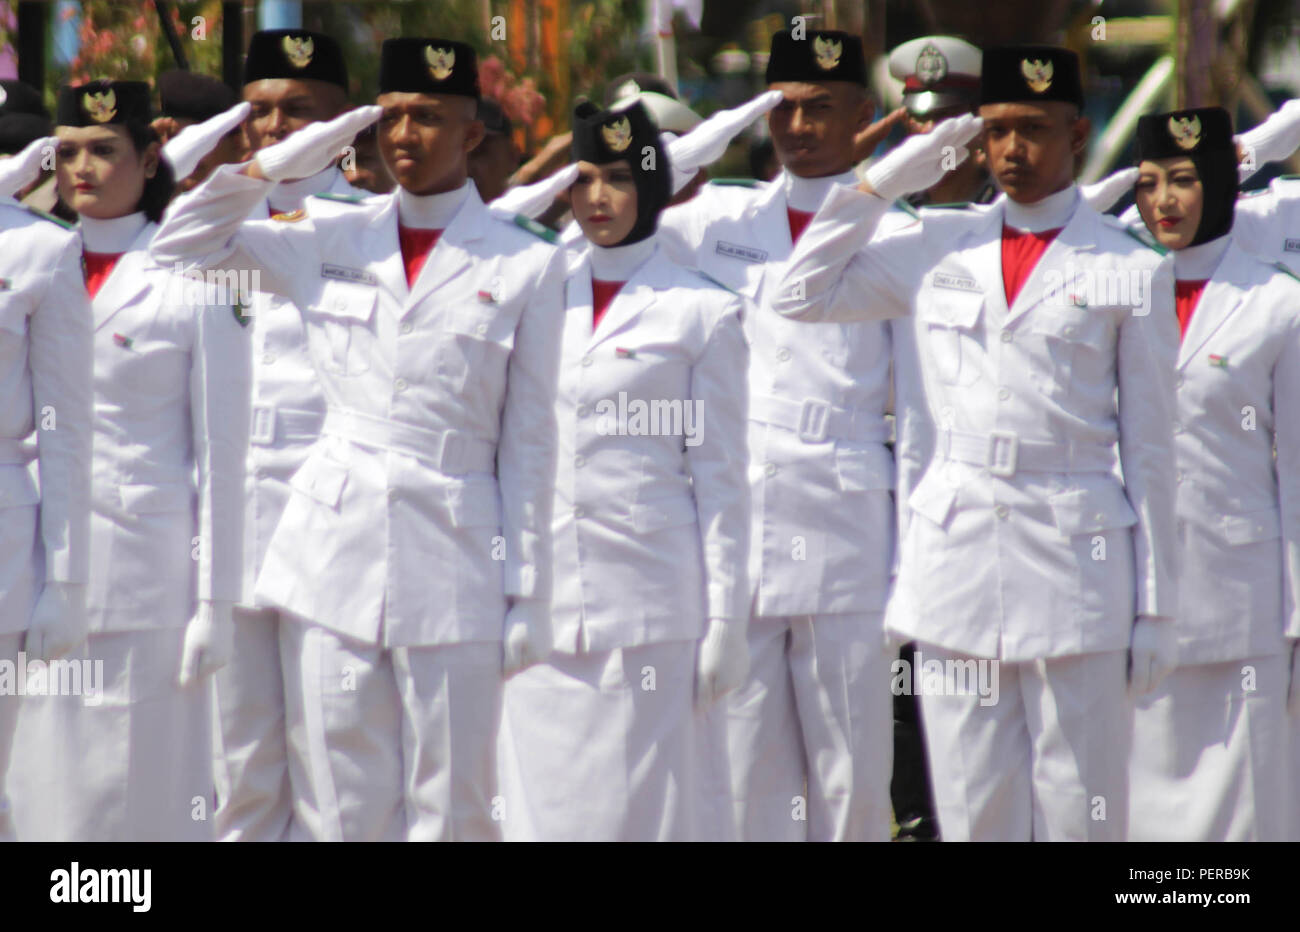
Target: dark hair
<point x="159" y="189"/>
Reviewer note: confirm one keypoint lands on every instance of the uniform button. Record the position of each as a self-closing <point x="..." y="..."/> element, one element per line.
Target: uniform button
<point x="783" y="354"/>
<point x="1069" y="331"/>
<point x="1004" y="394"/>
<point x="261" y="473"/>
<point x="1178" y="476"/>
<point x="579" y="461"/>
<point x="481" y="329"/>
<point x="579" y="512"/>
<point x="586" y="360"/>
<point x="1006" y="336"/>
<point x="1099" y="517"/>
<point x="406" y="327"/>
<point x="339" y="304"/>
<point x="268" y="358"/>
<point x="582" y="411"/>
<point x="400" y="385"/>
<point x="392" y="494"/>
<point x="770" y="469"/>
<point x="947" y="413"/>
<point x="1002" y="511"/>
<point x="1178" y="427"/>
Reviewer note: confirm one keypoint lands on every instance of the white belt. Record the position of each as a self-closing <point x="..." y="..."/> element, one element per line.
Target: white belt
<point x="15" y="452"/>
<point x="814" y="420"/>
<point x="453" y="452"/>
<point x="1005" y="454"/>
<point x="288" y="425"/>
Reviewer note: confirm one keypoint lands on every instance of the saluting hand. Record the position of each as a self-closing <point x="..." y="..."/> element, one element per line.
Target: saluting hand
<point x="311" y="149"/>
<point x="920" y="162"/>
<point x="184" y="150"/>
<point x="18" y="171"/>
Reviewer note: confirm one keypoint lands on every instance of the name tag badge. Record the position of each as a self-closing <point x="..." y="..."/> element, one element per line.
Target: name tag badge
<point x="743" y="253"/>
<point x="1291" y="245"/>
<point x="955" y="282"/>
<point x="344" y="274"/>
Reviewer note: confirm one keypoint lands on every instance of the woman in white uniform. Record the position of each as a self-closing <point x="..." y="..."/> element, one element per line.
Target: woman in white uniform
<point x="616" y="736"/>
<point x="1210" y="758"/>
<point x="170" y="402"/>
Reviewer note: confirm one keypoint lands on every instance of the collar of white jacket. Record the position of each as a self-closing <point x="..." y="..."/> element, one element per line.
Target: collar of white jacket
<point x="1197" y="263"/>
<point x="113" y="235"/>
<point x="807" y="194"/>
<point x="430" y="211"/>
<point x="618" y="263"/>
<point x="1050" y="213"/>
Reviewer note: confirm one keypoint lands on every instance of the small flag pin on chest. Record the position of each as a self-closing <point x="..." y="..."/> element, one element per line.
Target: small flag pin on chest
<point x="487" y="297"/>
<point x="623" y="353"/>
<point x="123" y="341"/>
<point x="1219" y="361"/>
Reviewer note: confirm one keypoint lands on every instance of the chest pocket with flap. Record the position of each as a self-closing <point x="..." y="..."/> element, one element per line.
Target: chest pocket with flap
<point x="949" y="316"/>
<point x="340" y="329"/>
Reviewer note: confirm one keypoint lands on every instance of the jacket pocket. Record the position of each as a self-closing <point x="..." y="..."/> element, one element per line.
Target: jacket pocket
<point x="143" y="498"/>
<point x="949" y="318"/>
<point x="13" y="314"/>
<point x="933" y="498"/>
<point x="1250" y="527"/>
<point x="864" y="469"/>
<point x="1083" y="511"/>
<point x="322" y="480"/>
<point x="340" y="328"/>
<point x="648" y="517"/>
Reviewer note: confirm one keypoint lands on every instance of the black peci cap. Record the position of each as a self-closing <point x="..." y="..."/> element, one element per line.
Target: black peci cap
<point x="428" y="66"/>
<point x="1030" y="73"/>
<point x="189" y="96"/>
<point x="102" y="102"/>
<point x="295" y="53"/>
<point x="1183" y="132"/>
<point x="821" y="55"/>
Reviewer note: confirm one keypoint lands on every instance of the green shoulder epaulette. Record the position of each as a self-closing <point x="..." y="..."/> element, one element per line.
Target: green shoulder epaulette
<point x="951" y="205"/>
<point x="1256" y="192"/>
<point x="1144" y="240"/>
<point x="907" y="208"/>
<point x="341" y="198"/>
<point x="707" y="276"/>
<point x="1287" y="177"/>
<point x="1283" y="267"/>
<point x="736" y="182"/>
<point x="50" y="217"/>
<point x="537" y="229"/>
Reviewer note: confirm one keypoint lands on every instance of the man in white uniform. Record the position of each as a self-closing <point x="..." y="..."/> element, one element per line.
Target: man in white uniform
<point x="45" y="373"/>
<point x="809" y="734"/>
<point x="292" y="79"/>
<point x="417" y="531"/>
<point x="1045" y="336"/>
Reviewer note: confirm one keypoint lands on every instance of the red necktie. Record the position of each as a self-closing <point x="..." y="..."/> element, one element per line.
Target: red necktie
<point x="602" y="293"/>
<point x="1020" y="253"/>
<point x="798" y="222"/>
<point x="1187" y="294"/>
<point x="416" y="245"/>
<point x="99" y="265"/>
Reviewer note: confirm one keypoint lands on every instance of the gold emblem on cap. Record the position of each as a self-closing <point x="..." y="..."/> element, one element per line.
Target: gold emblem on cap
<point x="100" y="106"/>
<point x="441" y="61"/>
<point x="931" y="66"/>
<point x="1186" y="131"/>
<point x="617" y="135"/>
<point x="827" y="52"/>
<point x="1038" y="74"/>
<point x="299" y="50"/>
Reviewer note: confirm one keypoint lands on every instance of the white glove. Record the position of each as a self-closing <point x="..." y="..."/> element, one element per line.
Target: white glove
<point x="209" y="641"/>
<point x="18" y="171"/>
<point x="1293" y="693"/>
<point x="59" y="623"/>
<point x="1102" y="195"/>
<point x="527" y="635"/>
<point x="315" y="147"/>
<point x="187" y="148"/>
<point x="1271" y="141"/>
<point x="532" y="200"/>
<point x="919" y="162"/>
<point x="707" y="142"/>
<point x="723" y="660"/>
<point x="1153" y="653"/>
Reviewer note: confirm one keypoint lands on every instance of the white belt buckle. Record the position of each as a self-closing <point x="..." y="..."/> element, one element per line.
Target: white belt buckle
<point x="262" y="429"/>
<point x="1003" y="447"/>
<point x="813" y="417"/>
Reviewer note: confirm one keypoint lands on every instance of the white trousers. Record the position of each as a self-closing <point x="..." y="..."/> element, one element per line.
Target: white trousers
<point x="810" y="735"/>
<point x="134" y="766"/>
<point x="1210" y="754"/>
<point x="611" y="746"/>
<point x="249" y="756"/>
<point x="1046" y="761"/>
<point x="10" y="647"/>
<point x="386" y="745"/>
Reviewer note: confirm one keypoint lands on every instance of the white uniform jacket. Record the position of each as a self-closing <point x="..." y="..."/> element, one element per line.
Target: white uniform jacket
<point x="1238" y="506"/>
<point x="45" y="383"/>
<point x="1023" y="542"/>
<point x="427" y="499"/>
<point x="171" y="394"/>
<point x="651" y="525"/>
<point x="288" y="407"/>
<point x="820" y="473"/>
<point x="1266" y="222"/>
